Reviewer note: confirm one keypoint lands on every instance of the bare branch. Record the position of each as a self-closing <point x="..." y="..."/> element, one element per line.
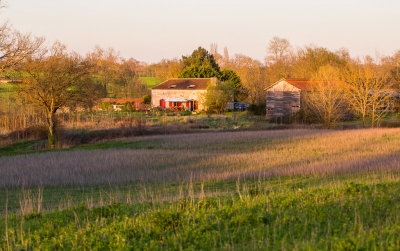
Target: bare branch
<point x="16" y="47"/>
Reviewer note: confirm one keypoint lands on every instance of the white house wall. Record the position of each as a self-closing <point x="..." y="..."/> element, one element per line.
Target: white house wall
<point x="157" y="95"/>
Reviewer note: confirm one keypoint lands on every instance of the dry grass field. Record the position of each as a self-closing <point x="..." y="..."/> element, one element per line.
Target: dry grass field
<point x="209" y="156"/>
<point x="246" y="190"/>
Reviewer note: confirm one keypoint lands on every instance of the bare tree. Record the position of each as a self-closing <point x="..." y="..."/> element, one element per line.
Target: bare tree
<point x="15" y="47"/>
<point x="252" y="75"/>
<point x="56" y="80"/>
<point x="278" y="50"/>
<point x="130" y="85"/>
<point x="278" y="57"/>
<point x="225" y="59"/>
<point x="310" y="58"/>
<point x="106" y="62"/>
<point x="214" y="52"/>
<point x="370" y="90"/>
<point x="326" y="96"/>
<point x="392" y="65"/>
<point x="166" y="68"/>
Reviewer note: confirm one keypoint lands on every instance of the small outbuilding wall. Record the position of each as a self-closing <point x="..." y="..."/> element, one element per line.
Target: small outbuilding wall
<point x="284" y="97"/>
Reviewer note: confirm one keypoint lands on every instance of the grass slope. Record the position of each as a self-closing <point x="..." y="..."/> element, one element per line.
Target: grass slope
<point x="151" y="81"/>
<point x="265" y="190"/>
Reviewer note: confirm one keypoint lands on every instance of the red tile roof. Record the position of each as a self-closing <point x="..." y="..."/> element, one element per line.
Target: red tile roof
<point x="300" y="83"/>
<point x="184" y="84"/>
<point x="304" y="83"/>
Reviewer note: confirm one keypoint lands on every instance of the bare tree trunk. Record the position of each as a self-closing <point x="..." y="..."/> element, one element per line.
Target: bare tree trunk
<point x="364" y="119"/>
<point x="51" y="127"/>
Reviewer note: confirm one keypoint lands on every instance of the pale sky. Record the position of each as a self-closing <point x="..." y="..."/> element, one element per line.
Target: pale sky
<point x="150" y="30"/>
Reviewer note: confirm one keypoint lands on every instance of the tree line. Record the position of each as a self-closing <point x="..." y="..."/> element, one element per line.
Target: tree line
<point x="369" y="81"/>
<point x="55" y="78"/>
<point x="282" y="60"/>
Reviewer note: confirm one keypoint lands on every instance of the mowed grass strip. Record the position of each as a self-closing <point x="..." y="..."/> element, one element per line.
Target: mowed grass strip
<point x="210" y="156"/>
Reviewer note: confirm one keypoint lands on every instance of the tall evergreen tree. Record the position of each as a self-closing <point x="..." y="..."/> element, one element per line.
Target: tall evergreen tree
<point x="200" y="58"/>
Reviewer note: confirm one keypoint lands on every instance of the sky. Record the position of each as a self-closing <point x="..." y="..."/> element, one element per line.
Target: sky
<point x="151" y="30"/>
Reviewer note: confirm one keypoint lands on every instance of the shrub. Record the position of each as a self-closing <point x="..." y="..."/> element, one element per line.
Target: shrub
<point x="127" y="107"/>
<point x="105" y="106"/>
<point x="146" y="99"/>
<point x="32" y="132"/>
<point x="257" y="109"/>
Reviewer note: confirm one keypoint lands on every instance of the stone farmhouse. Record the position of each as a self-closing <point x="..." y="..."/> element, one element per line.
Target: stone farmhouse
<point x="181" y="93"/>
<point x="284" y="97"/>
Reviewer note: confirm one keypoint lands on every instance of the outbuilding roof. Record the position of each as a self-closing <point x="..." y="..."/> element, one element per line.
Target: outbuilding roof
<point x="184" y="84"/>
<point x="300" y="83"/>
<point x="305" y="84"/>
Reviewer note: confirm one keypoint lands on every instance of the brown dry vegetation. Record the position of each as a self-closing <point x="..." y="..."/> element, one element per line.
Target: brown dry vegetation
<point x="210" y="156"/>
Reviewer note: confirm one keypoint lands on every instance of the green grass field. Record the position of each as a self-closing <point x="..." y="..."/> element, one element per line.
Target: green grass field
<point x="6" y="90"/>
<point x="245" y="190"/>
<point x="151" y="81"/>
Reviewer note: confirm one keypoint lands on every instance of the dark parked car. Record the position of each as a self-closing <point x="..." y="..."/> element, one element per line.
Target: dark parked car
<point x="240" y="106"/>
